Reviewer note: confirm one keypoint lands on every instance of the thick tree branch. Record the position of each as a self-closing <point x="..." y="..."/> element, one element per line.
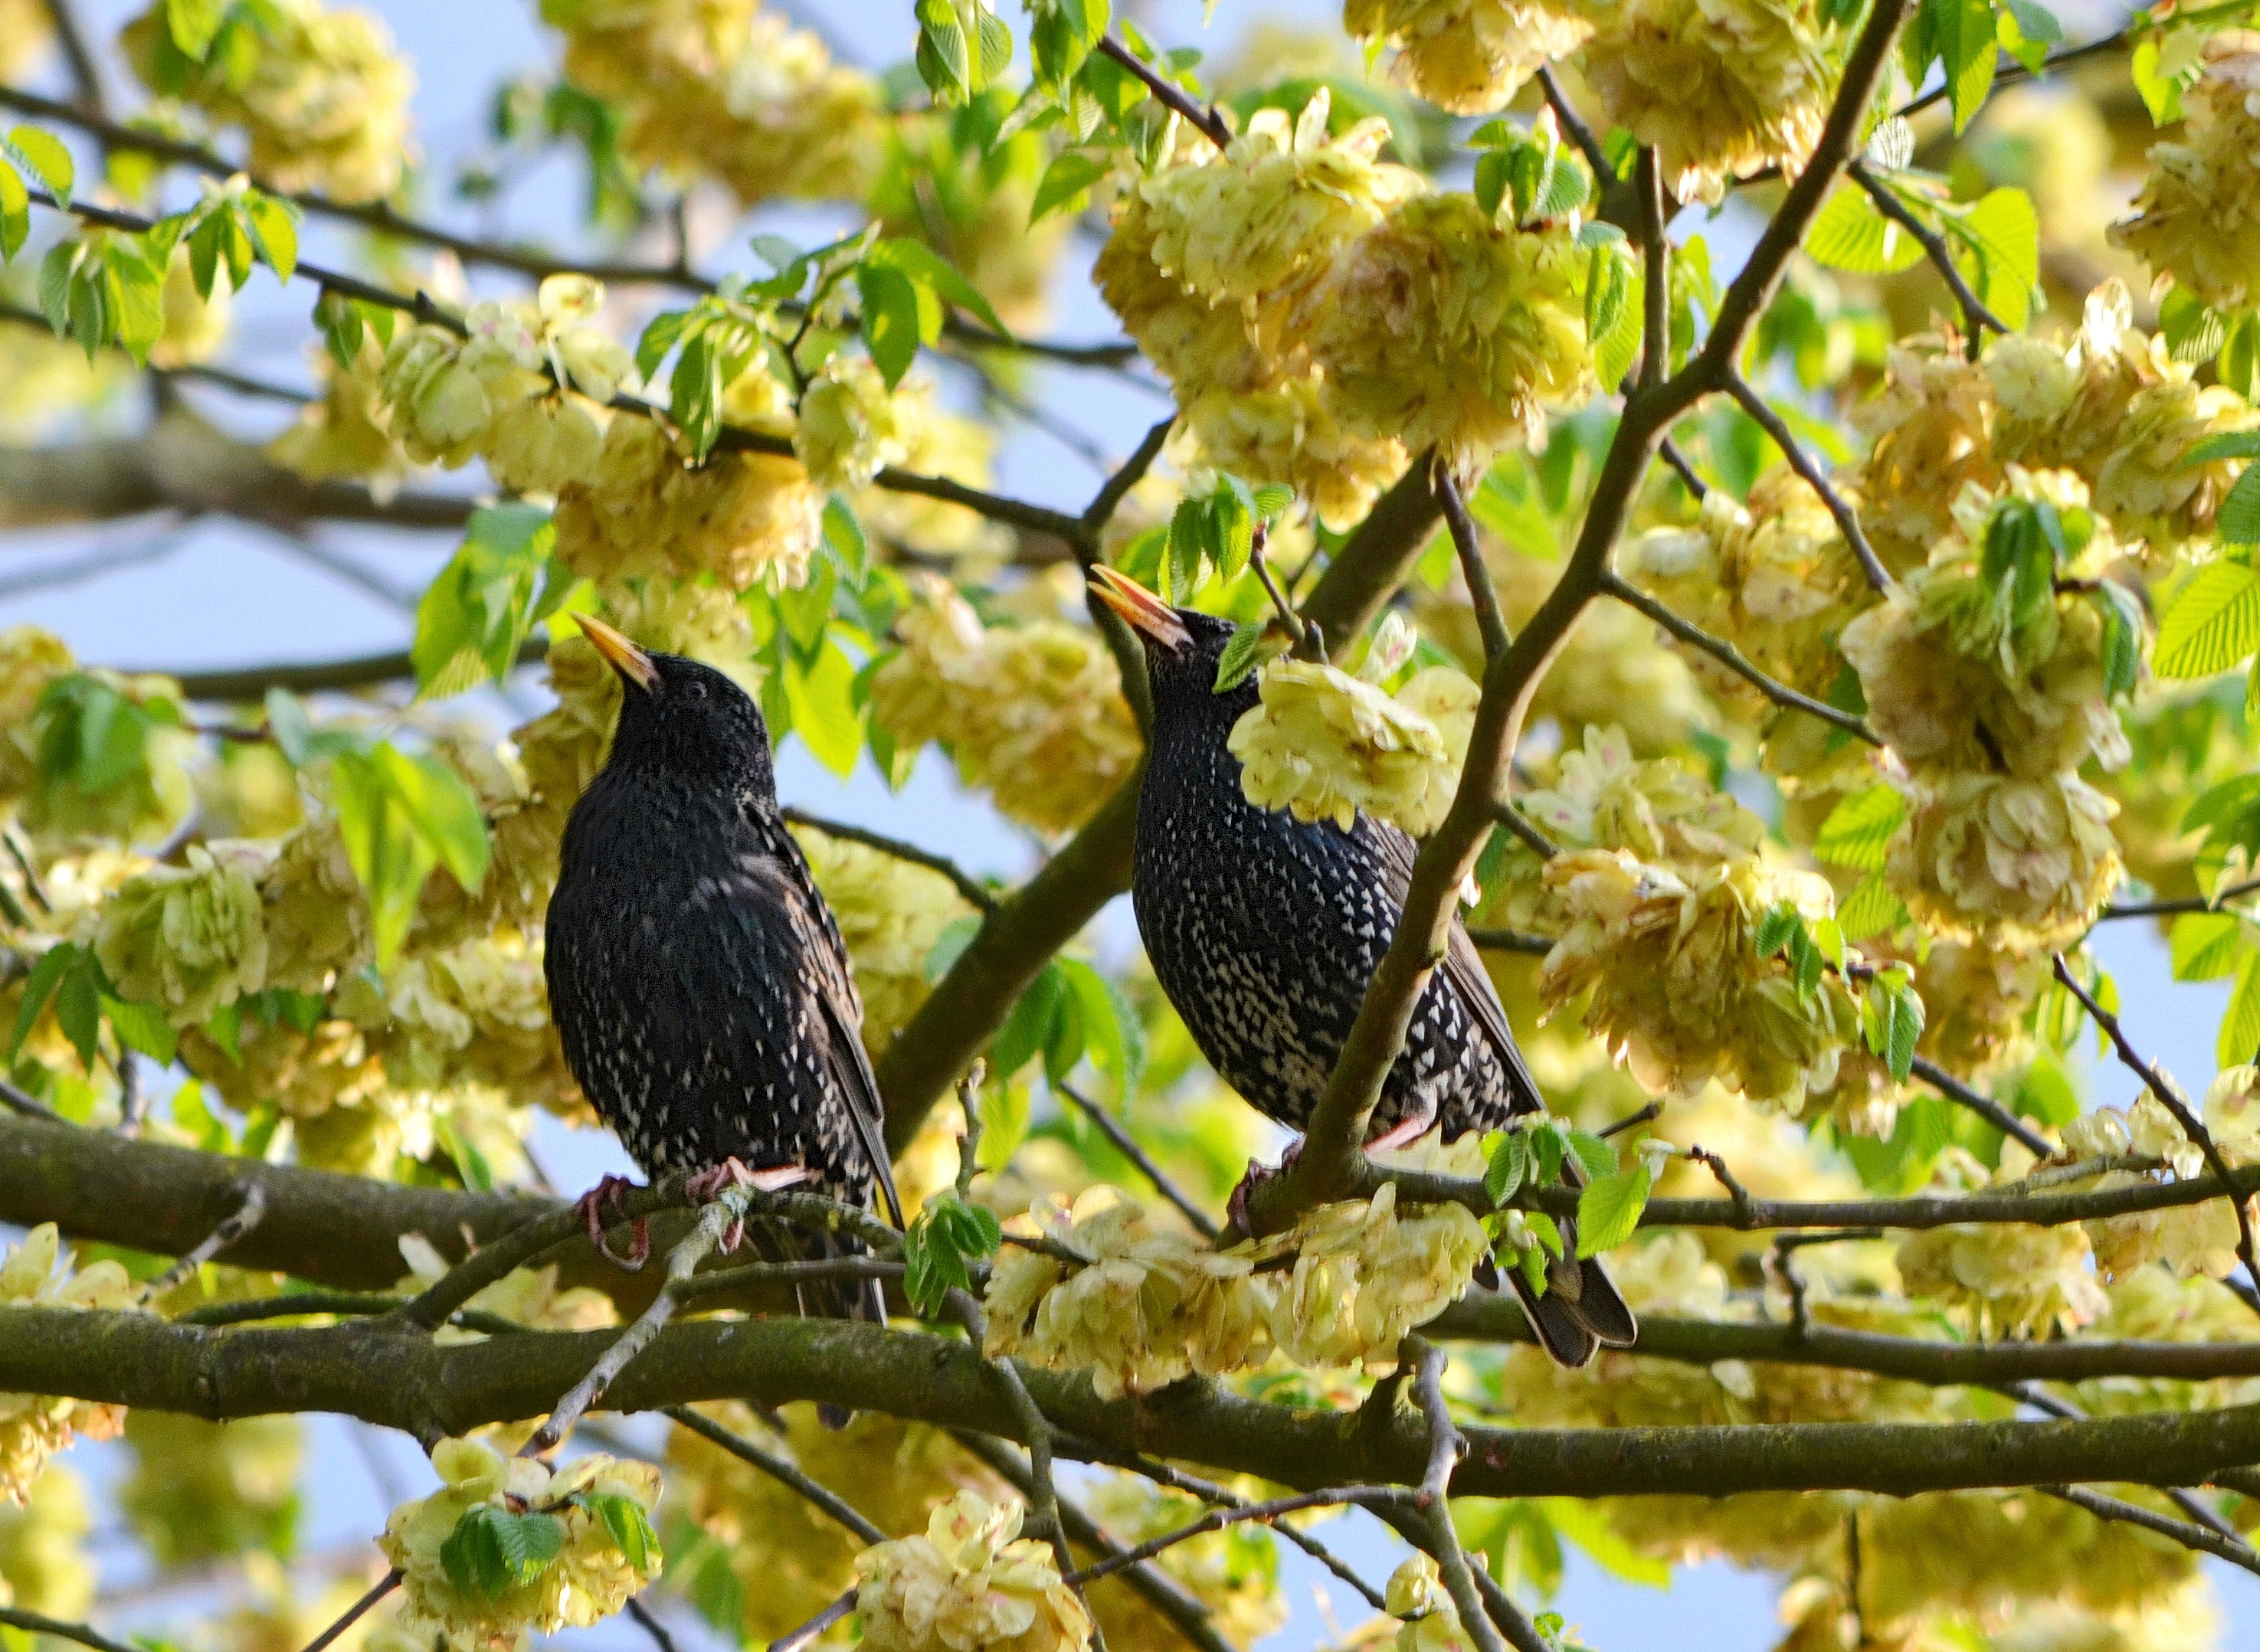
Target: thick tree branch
<point x="384" y="1372"/>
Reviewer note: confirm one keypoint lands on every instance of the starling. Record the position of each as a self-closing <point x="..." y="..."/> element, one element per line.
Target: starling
<point x="1264" y="931"/>
<point x="697" y="978"/>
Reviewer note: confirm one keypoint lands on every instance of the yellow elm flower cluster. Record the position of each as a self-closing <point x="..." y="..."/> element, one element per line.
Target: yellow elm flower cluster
<point x="2157" y="1304"/>
<point x="2018" y="863"/>
<point x="1155" y="1305"/>
<point x="1667" y="965"/>
<point x="476" y="1013"/>
<point x="189" y="939"/>
<point x="339" y="436"/>
<point x="1444" y="328"/>
<point x="44" y="1563"/>
<point x="851" y="426"/>
<point x="27" y="29"/>
<point x="37" y="1273"/>
<point x="587" y="1580"/>
<point x="1721" y="88"/>
<point x="791" y="1558"/>
<point x="1604" y="798"/>
<point x="746" y="518"/>
<point x="971" y="1584"/>
<point x="2110" y="403"/>
<point x="973" y="207"/>
<point x="2197" y="218"/>
<point x="2005" y="1279"/>
<point x="890" y="914"/>
<point x="316" y="913"/>
<point x="324" y="102"/>
<point x="1209" y="265"/>
<point x="1325" y="744"/>
<point x="203" y="1491"/>
<point x="2189" y="1239"/>
<point x="525" y="1296"/>
<point x="725" y="88"/>
<point x="56" y="807"/>
<point x="1468" y="56"/>
<point x="525" y="387"/>
<point x="1428" y="1619"/>
<point x="196" y="324"/>
<point x="1032" y="714"/>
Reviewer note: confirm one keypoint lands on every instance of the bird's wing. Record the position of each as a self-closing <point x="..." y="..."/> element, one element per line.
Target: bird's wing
<point x="1463" y="969"/>
<point x="841" y="1007"/>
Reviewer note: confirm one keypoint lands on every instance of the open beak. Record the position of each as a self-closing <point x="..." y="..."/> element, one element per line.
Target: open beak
<point x="624" y="656"/>
<point x="1146" y="613"/>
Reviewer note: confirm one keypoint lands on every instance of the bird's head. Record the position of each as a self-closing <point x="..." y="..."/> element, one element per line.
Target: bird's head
<point x="1183" y="648"/>
<point x="679" y="715"/>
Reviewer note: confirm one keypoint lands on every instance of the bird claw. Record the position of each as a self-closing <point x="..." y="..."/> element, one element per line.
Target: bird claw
<point x="704" y="1187"/>
<point x="611" y="1193"/>
<point x="1406" y="1131"/>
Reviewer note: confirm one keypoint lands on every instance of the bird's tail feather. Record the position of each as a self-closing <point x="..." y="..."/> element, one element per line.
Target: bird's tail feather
<point x="1581" y="1309"/>
<point x="863" y="1299"/>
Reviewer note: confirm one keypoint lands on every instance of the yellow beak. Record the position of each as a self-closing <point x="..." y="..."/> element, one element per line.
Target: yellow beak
<point x="1143" y="611"/>
<point x="624" y="656"/>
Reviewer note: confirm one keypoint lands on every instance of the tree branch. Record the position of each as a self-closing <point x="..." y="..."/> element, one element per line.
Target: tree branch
<point x="1204" y="117"/>
<point x="1974" y="316"/>
<point x="1983" y="1105"/>
<point x="1733" y="657"/>
<point x="1848" y="521"/>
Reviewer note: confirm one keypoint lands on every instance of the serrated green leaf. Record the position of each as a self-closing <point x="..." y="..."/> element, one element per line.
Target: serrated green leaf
<point x="825" y="714"/>
<point x="1608" y="1210"/>
<point x="2238" y="1039"/>
<point x="1507" y="1165"/>
<point x="2214" y="622"/>
<point x="1997" y="242"/>
<point x="192" y="24"/>
<point x="43" y="156"/>
<point x="2205" y="946"/>
<point x="1858" y="833"/>
<point x="39" y="986"/>
<point x="1594" y="1154"/>
<point x="1869" y="909"/>
<point x="1238" y="661"/>
<point x="1847" y="233"/>
<point x="2239" y="521"/>
<point x="1029" y="1028"/>
<point x="1776" y="929"/>
<point x="273" y="226"/>
<point x="922" y="264"/>
<point x="629" y="1529"/>
<point x="141" y="1027"/>
<point x="890" y="319"/>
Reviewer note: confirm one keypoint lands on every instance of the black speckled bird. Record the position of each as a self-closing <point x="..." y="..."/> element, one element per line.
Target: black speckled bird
<point x="697" y="978"/>
<point x="1264" y="932"/>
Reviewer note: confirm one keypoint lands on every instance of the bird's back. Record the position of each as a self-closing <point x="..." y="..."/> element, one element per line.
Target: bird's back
<point x="1264" y="931"/>
<point x="689" y="957"/>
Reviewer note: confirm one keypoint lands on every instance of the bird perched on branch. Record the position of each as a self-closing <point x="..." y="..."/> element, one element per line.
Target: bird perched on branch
<point x="697" y="978"/>
<point x="1264" y="931"/>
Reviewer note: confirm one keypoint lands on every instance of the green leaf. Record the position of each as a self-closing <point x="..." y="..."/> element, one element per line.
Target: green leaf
<point x="1858" y="833"/>
<point x="2213" y="623"/>
<point x="192" y="25"/>
<point x="492" y="1550"/>
<point x="922" y="264"/>
<point x="2205" y="945"/>
<point x="1589" y="1528"/>
<point x="15" y="213"/>
<point x="141" y="1027"/>
<point x="936" y="1250"/>
<point x="1608" y="1210"/>
<point x="890" y="319"/>
<point x="1112" y="1035"/>
<point x="844" y="535"/>
<point x="2001" y="235"/>
<point x="400" y="816"/>
<point x="629" y="1528"/>
<point x="1238" y="661"/>
<point x="78" y="1008"/>
<point x="2239" y="521"/>
<point x="1005" y="1115"/>
<point x="1595" y="1154"/>
<point x="473" y="618"/>
<point x="1891" y="1016"/>
<point x="2239" y="1041"/>
<point x="1507" y="1165"/>
<point x="39" y="986"/>
<point x="1780" y="923"/>
<point x="43" y="156"/>
<point x="1869" y="909"/>
<point x="273" y="226"/>
<point x="1029" y="1028"/>
<point x="824" y="710"/>
<point x="2045" y="1092"/>
<point x="1847" y="233"/>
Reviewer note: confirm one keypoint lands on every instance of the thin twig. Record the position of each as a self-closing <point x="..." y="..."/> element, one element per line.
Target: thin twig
<point x="1523" y="827"/>
<point x="2218" y="902"/>
<point x="714" y="1219"/>
<point x="1446" y="1445"/>
<point x="1983" y="1105"/>
<point x="1669" y="453"/>
<point x="245" y="1218"/>
<point x="1205" y="118"/>
<point x="795" y="1640"/>
<point x="38" y="1623"/>
<point x="649" y="1621"/>
<point x="780" y="1469"/>
<point x="21" y="1101"/>
<point x="1976" y="317"/>
<point x="1566" y="117"/>
<point x="354" y="1613"/>
<point x="1733" y="657"/>
<point x="1126" y="1144"/>
<point x="1217" y="1519"/>
<point x="1116" y="489"/>
<point x="1848" y="521"/>
<point x="1725" y="1178"/>
<point x="2015" y="74"/>
<point x="1489" y="620"/>
<point x="974" y="892"/>
<point x="1512" y="941"/>
<point x="2186" y="1533"/>
<point x="2192" y="1126"/>
<point x="2183" y="1499"/>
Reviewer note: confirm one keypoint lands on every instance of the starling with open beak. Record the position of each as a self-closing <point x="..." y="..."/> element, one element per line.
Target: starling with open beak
<point x="697" y="978"/>
<point x="1264" y="931"/>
